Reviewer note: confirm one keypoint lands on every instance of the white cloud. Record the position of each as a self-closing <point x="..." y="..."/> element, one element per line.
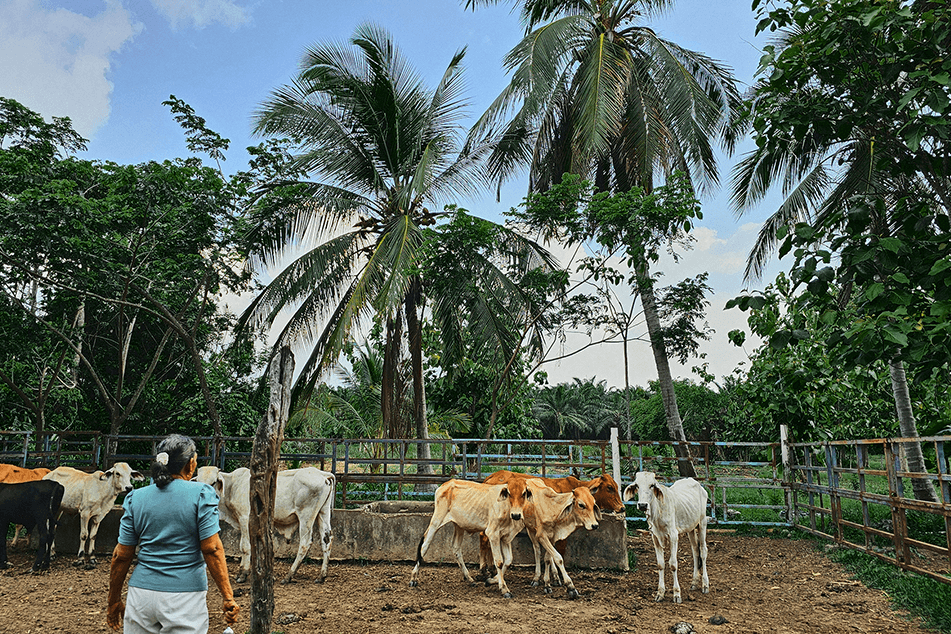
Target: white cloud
<point x="57" y="62"/>
<point x="202" y="13"/>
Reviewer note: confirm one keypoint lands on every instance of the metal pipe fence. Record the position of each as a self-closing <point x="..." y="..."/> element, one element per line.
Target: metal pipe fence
<point x="859" y="494"/>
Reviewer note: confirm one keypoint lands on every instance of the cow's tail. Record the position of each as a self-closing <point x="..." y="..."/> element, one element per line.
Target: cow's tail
<point x="419" y="548"/>
<point x="55" y="501"/>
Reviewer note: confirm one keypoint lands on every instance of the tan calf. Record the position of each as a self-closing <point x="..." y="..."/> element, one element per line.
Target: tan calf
<point x="472" y="507"/>
<point x="552" y="517"/>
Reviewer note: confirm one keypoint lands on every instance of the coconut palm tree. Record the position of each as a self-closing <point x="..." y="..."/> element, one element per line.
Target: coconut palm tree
<point x="595" y="91"/>
<point x="382" y="150"/>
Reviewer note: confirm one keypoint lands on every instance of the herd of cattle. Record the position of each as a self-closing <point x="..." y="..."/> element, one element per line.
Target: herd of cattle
<point x="548" y="509"/>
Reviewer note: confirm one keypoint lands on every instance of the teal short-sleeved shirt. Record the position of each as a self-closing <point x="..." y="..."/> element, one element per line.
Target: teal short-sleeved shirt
<point x="168" y="525"/>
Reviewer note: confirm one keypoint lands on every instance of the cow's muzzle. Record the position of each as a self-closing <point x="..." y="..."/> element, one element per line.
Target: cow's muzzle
<point x="516" y="516"/>
<point x="642" y="507"/>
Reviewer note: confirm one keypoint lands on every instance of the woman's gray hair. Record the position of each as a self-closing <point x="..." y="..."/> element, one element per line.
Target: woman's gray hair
<point x="178" y="451"/>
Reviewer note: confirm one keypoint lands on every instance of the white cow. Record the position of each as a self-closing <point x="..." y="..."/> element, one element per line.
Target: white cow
<point x="92" y="496"/>
<point x="670" y="511"/>
<point x="303" y="497"/>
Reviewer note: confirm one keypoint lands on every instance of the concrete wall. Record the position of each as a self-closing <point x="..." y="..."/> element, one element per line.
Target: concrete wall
<point x="390" y="531"/>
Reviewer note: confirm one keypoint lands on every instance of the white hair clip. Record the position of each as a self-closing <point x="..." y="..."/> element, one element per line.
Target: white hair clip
<point x="162" y="458"/>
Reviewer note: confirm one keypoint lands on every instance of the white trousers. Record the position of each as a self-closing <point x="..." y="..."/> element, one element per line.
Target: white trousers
<point x="152" y="612"/>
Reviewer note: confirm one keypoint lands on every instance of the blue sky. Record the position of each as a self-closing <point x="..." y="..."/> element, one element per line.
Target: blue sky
<point x="109" y="64"/>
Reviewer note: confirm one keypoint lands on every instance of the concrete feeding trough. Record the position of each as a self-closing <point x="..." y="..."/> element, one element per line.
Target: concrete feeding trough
<point x="390" y="531"/>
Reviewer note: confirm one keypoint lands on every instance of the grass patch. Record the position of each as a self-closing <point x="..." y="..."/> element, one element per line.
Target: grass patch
<point x="921" y="596"/>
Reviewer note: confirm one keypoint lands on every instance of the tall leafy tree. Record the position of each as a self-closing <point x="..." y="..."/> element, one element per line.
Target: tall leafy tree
<point x="596" y="91"/>
<point x="492" y="304"/>
<point x="850" y="116"/>
<point x="121" y="267"/>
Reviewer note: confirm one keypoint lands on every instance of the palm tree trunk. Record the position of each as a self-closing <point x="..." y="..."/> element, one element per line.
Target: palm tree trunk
<point x="414" y="330"/>
<point x="914" y="457"/>
<point x="391" y="348"/>
<point x="645" y="289"/>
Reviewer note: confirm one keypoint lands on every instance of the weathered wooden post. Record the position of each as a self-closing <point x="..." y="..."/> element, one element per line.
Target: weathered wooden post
<point x="264" y="456"/>
<point x="788" y="476"/>
<point x="616" y="455"/>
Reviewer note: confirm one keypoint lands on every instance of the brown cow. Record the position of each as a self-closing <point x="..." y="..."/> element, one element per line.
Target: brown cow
<point x="11" y="474"/>
<point x="472" y="507"/>
<point x="605" y="490"/>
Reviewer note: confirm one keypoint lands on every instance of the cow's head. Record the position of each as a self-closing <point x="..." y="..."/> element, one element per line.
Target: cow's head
<point x="211" y="476"/>
<point x="518" y="494"/>
<point x="606" y="493"/>
<point x="584" y="509"/>
<point x="122" y="476"/>
<point x="645" y="488"/>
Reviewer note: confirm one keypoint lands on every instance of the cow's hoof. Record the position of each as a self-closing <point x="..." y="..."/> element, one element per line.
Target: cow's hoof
<point x="535" y="584"/>
<point x="241" y="578"/>
<point x="320" y="579"/>
<point x="79" y="562"/>
<point x="93" y="561"/>
<point x="89" y="566"/>
<point x="678" y="599"/>
<point x="706" y="590"/>
<point x="659" y="597"/>
<point x="547" y="590"/>
<point x="286" y="580"/>
<point x="573" y="594"/>
<point x="413" y="584"/>
<point x="507" y="595"/>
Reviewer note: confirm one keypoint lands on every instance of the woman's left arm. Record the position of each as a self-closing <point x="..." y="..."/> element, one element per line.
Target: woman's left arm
<point x="214" y="553"/>
<point x="121" y="562"/>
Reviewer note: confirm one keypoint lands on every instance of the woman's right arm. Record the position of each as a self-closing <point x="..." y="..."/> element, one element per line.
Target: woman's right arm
<point x="121" y="562"/>
<point x="214" y="553"/>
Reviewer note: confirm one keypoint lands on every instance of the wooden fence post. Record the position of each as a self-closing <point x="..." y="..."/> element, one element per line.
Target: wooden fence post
<point x="895" y="491"/>
<point x="788" y="477"/>
<point x="264" y="457"/>
<point x="616" y="455"/>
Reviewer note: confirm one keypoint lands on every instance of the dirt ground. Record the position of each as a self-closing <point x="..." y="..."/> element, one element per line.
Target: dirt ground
<point x="758" y="585"/>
